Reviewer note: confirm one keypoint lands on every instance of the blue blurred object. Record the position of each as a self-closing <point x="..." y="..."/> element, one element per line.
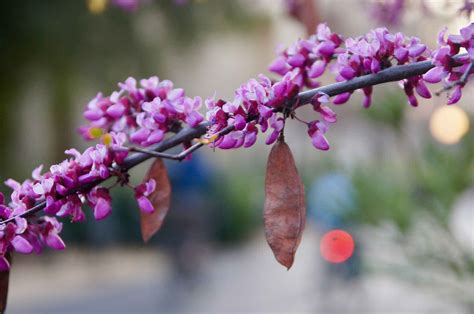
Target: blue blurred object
<point x="331" y="198"/>
<point x="194" y="174"/>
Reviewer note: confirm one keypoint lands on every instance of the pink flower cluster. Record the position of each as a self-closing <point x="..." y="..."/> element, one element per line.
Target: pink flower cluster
<point x="256" y="103"/>
<point x="63" y="190"/>
<point x="145" y="113"/>
<point x="264" y="104"/>
<point x="376" y="51"/>
<point x="307" y="58"/>
<point x="453" y="72"/>
<point x="317" y="128"/>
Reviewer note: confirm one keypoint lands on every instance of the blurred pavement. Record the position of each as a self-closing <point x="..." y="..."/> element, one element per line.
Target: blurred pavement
<point x="244" y="279"/>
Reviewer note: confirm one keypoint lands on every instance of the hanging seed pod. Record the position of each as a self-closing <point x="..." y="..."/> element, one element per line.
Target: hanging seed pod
<point x="285" y="209"/>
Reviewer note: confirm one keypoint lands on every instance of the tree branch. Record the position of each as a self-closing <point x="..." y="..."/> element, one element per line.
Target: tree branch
<point x="184" y="153"/>
<point x="394" y="73"/>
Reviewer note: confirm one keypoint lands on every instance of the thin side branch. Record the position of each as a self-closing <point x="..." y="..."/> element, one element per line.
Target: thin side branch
<point x="462" y="81"/>
<point x="178" y="157"/>
<point x="181" y="156"/>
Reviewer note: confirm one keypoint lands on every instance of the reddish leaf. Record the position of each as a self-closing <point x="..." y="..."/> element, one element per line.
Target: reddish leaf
<point x="4" y="277"/>
<point x="305" y="12"/>
<point x="285" y="210"/>
<point x="160" y="198"/>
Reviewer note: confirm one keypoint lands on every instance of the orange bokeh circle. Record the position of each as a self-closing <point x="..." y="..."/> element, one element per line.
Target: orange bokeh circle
<point x="337" y="246"/>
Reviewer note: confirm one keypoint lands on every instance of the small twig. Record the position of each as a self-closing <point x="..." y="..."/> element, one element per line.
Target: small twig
<point x="178" y="157"/>
<point x="463" y="79"/>
<point x="461" y="82"/>
<point x="299" y="119"/>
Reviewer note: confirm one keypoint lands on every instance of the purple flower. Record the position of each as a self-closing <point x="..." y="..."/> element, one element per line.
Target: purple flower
<point x="434" y="75"/>
<point x="316" y="130"/>
<point x="4" y="264"/>
<point x="142" y="192"/>
<point x="144" y="114"/>
<point x="455" y="95"/>
<point x="326" y="113"/>
<point x="307" y="58"/>
<point x="277" y="124"/>
<point x="255" y="104"/>
<point x="100" y="200"/>
<point x="446" y="68"/>
<point x="374" y="52"/>
<point x="341" y="98"/>
<point x="50" y="229"/>
<point x="21" y="245"/>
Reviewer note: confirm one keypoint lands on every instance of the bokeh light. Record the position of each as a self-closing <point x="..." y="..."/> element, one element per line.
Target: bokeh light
<point x="96" y="6"/>
<point x="449" y="124"/>
<point x="337" y="246"/>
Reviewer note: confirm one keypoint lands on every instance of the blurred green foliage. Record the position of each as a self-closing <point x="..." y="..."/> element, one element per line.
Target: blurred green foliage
<point x="240" y="207"/>
<point x="434" y="175"/>
<point x="389" y="109"/>
<point x="431" y="180"/>
<point x="64" y="44"/>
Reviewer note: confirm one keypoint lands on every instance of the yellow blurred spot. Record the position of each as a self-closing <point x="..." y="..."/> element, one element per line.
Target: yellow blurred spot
<point x="208" y="140"/>
<point x="449" y="124"/>
<point x="107" y="139"/>
<point x="96" y="6"/>
<point x="95" y="132"/>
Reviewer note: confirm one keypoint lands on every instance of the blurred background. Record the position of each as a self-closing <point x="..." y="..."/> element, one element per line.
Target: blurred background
<point x="399" y="179"/>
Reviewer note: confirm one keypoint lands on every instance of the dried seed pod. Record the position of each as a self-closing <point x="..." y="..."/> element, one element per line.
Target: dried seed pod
<point x="285" y="209"/>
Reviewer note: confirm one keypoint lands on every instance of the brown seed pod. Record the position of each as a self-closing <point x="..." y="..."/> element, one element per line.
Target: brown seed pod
<point x="285" y="209"/>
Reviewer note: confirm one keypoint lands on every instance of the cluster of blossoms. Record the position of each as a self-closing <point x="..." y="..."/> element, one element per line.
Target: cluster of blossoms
<point x="256" y="103"/>
<point x="376" y="51"/>
<point x="64" y="189"/>
<point x="142" y="114"/>
<point x="453" y="72"/>
<point x="307" y="58"/>
<point x="304" y="62"/>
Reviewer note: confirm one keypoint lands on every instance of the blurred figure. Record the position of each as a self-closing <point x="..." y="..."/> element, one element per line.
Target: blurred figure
<point x="188" y="228"/>
<point x="331" y="199"/>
